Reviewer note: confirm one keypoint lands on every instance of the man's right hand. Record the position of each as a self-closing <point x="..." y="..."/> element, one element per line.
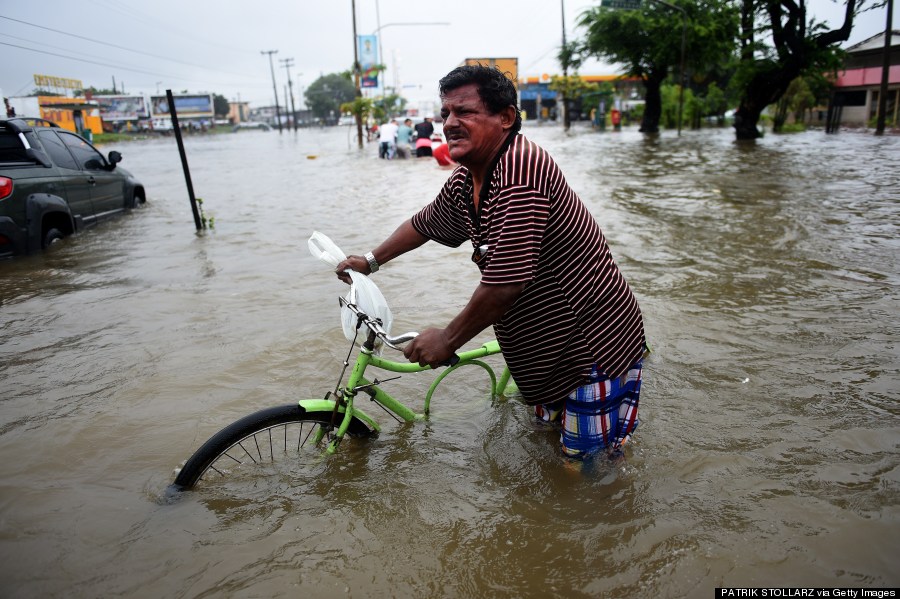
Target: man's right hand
<point x="357" y="263"/>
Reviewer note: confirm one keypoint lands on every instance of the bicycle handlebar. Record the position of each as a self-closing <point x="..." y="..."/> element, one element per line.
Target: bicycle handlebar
<point x="376" y="327"/>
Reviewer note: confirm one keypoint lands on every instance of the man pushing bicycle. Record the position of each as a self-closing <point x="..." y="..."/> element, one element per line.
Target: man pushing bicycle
<point x="569" y="326"/>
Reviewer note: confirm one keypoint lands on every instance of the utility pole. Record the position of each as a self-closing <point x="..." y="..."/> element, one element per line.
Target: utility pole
<point x="381" y="52"/>
<point x="288" y="63"/>
<point x="885" y="67"/>
<point x="565" y="65"/>
<point x="359" y="137"/>
<point x="274" y="87"/>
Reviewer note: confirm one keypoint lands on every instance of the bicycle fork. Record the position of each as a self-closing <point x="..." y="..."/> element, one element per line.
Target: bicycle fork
<point x="344" y="397"/>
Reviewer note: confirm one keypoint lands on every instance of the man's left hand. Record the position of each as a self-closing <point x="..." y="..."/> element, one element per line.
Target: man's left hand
<point x="430" y="348"/>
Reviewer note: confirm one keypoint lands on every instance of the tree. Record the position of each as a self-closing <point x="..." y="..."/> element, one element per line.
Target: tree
<point x="221" y="107"/>
<point x="79" y="93"/>
<point x="716" y="103"/>
<point x="571" y="89"/>
<point x="799" y="46"/>
<point x="647" y="42"/>
<point x="387" y="106"/>
<point x="360" y="108"/>
<point x="325" y="95"/>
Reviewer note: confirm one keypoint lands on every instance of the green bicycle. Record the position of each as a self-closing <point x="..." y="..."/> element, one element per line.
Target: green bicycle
<point x="299" y="434"/>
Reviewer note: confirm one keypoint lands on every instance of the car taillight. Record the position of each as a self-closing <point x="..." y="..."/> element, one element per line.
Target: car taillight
<point x="5" y="187"/>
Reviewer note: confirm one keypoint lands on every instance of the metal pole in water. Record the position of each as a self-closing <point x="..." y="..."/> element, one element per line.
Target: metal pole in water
<point x="184" y="163"/>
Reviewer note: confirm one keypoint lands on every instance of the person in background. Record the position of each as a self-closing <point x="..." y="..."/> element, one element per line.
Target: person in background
<point x="424" y="130"/>
<point x="387" y="137"/>
<point x="570" y="328"/>
<point x="404" y="139"/>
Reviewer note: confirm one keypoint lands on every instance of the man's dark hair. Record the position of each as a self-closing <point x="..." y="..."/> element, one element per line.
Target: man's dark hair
<point x="494" y="88"/>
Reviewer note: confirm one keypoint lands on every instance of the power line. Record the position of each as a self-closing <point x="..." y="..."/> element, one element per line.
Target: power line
<point x="104" y="64"/>
<point x="81" y="37"/>
<point x="169" y="25"/>
<point x="46" y="45"/>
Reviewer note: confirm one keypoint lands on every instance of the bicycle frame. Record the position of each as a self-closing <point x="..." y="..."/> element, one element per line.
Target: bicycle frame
<point x="343" y="409"/>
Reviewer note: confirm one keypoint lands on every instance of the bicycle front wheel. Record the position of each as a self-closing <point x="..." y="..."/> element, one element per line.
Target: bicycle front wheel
<point x="271" y="441"/>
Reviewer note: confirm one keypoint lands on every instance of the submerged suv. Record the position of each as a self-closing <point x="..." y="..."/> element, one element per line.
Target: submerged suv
<point x="53" y="183"/>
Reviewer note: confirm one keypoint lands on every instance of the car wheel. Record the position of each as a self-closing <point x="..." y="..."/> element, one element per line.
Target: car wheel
<point x="50" y="237"/>
<point x="137" y="200"/>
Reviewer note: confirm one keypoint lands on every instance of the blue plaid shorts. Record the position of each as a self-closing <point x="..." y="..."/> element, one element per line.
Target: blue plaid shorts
<point x="599" y="415"/>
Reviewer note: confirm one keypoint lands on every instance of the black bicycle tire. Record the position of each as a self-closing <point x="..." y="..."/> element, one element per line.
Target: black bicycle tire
<point x="248" y="426"/>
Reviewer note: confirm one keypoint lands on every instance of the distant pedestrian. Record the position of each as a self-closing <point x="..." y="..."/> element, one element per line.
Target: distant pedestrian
<point x="424" y="130"/>
<point x="387" y="140"/>
<point x="10" y="111"/>
<point x="404" y="139"/>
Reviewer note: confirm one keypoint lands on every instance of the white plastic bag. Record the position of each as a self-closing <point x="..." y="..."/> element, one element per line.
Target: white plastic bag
<point x="369" y="298"/>
<point x="321" y="247"/>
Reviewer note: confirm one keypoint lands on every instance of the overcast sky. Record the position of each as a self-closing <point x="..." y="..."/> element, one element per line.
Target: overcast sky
<point x="215" y="46"/>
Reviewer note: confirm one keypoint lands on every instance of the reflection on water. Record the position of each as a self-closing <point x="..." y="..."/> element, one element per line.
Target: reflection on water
<point x="767" y="453"/>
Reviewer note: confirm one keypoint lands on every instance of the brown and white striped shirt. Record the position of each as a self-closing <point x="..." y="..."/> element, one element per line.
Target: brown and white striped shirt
<point x="576" y="308"/>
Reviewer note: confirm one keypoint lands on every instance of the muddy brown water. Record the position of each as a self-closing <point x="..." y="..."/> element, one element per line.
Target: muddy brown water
<point x="767" y="453"/>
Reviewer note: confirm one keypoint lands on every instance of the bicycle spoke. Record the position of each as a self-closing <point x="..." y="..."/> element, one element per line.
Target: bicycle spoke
<point x="239" y="453"/>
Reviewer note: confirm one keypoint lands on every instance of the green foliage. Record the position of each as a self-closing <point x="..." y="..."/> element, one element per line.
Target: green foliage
<point x="361" y="107"/>
<point x="716" y="101"/>
<point x="648" y="43"/>
<point x="569" y="56"/>
<point x="208" y="222"/>
<point x="648" y="40"/>
<point x="572" y="87"/>
<point x="220" y="105"/>
<point x="670" y="100"/>
<point x="793" y="128"/>
<point x="326" y="94"/>
<point x="80" y="93"/>
<point x="780" y="41"/>
<point x="637" y="112"/>
<point x="387" y="106"/>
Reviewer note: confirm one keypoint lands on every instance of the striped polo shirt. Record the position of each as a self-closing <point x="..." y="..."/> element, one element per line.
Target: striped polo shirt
<point x="576" y="309"/>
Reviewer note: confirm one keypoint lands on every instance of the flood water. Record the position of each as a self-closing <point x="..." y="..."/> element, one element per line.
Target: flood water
<point x="767" y="454"/>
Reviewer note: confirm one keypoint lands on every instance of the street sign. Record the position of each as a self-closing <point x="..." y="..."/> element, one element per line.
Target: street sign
<point x="623" y="4"/>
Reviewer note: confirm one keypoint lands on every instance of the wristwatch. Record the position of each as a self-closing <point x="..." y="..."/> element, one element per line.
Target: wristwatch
<point x="373" y="263"/>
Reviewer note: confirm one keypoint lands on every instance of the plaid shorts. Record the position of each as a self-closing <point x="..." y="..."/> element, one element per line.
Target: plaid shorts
<point x="599" y="415"/>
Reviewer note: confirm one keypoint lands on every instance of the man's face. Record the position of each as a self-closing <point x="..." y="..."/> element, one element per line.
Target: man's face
<point x="473" y="134"/>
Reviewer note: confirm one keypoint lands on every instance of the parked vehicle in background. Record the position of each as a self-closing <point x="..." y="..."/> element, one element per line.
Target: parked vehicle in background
<point x="53" y="183"/>
<point x="251" y="125"/>
<point x="163" y="125"/>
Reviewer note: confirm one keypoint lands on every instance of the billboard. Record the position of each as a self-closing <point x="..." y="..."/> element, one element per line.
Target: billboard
<point x="187" y="106"/>
<point x="509" y="66"/>
<point x="122" y="108"/>
<point x="368" y="60"/>
<point x="47" y="81"/>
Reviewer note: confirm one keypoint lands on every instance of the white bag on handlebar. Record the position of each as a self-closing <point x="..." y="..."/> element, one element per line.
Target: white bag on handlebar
<point x="321" y="247"/>
<point x="368" y="297"/>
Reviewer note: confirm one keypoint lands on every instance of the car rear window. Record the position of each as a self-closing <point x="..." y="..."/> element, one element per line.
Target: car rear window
<point x="11" y="148"/>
